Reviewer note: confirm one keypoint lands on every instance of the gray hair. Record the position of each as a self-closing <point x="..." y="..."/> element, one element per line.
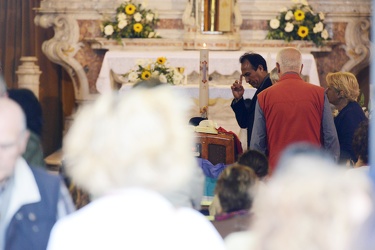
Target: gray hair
<point x="309" y="199"/>
<point x="289" y="59"/>
<point x="138" y="139"/>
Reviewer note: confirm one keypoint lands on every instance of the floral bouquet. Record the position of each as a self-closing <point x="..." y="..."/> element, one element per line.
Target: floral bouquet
<point x="132" y="21"/>
<point x="299" y="23"/>
<point x="159" y="69"/>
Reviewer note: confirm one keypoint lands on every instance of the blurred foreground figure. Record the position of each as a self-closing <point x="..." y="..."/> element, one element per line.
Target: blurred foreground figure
<point x="126" y="150"/>
<point x="309" y="203"/>
<point x="30" y="199"/>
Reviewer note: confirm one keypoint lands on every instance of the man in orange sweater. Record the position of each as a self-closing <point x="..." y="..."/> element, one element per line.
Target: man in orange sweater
<point x="292" y="111"/>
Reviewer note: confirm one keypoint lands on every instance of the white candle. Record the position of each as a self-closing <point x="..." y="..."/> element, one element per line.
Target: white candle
<point x="203" y="81"/>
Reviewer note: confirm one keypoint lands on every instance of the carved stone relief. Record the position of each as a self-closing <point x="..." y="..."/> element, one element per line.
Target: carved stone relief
<point x="357" y="37"/>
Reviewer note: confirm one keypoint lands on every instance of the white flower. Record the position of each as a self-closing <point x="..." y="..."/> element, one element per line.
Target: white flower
<point x="177" y="77"/>
<point x="150" y="61"/>
<point x="133" y="76"/>
<point x="304" y="2"/>
<point x="149" y="17"/>
<point x="137" y="17"/>
<point x="121" y="17"/>
<point x="163" y="78"/>
<point x="284" y="9"/>
<point x="274" y="23"/>
<point x="122" y="24"/>
<point x="155" y="74"/>
<point x="140" y="62"/>
<point x="289" y="15"/>
<point x="151" y="34"/>
<point x="325" y="34"/>
<point x="108" y="30"/>
<point x="289" y="27"/>
<point x="318" y="27"/>
<point x="321" y="15"/>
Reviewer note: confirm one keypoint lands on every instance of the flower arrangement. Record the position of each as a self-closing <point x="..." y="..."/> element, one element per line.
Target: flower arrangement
<point x="132" y="21"/>
<point x="159" y="69"/>
<point x="299" y="22"/>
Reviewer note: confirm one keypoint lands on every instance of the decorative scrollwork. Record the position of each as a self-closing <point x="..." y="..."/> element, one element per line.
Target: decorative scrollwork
<point x="62" y="48"/>
<point x="357" y="36"/>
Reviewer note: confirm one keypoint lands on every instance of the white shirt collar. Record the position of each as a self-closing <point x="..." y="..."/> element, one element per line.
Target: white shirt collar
<point x="25" y="189"/>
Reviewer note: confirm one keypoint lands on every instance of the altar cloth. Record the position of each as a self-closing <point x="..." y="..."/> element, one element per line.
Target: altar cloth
<point x="222" y="62"/>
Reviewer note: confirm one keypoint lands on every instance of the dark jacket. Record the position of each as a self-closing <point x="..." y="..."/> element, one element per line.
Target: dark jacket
<point x="31" y="225"/>
<point x="346" y="122"/>
<point x="244" y="109"/>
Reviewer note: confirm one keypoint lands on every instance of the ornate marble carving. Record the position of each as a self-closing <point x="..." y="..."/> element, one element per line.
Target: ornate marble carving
<point x="357" y="37"/>
<point x="62" y="48"/>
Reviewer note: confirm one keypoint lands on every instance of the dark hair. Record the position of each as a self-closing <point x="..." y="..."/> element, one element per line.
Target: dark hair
<point x="360" y="141"/>
<point x="256" y="160"/>
<point x="31" y="107"/>
<point x="255" y="60"/>
<point x="233" y="188"/>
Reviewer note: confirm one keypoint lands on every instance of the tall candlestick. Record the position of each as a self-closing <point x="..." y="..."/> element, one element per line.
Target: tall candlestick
<point x="203" y="81"/>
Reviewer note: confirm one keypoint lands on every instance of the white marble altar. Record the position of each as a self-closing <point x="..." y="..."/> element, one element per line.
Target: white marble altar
<point x="222" y="62"/>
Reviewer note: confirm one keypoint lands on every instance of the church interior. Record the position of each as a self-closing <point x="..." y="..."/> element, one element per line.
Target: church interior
<point x="65" y="43"/>
<point x="70" y="53"/>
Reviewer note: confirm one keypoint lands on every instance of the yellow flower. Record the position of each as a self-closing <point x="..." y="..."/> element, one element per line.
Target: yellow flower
<point x="161" y="60"/>
<point x="138" y="27"/>
<point x="299" y="15"/>
<point x="146" y="75"/>
<point x="130" y="9"/>
<point x="303" y="31"/>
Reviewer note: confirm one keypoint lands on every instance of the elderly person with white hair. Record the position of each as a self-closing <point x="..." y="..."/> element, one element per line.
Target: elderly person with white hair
<point x="292" y="111"/>
<point x="125" y="151"/>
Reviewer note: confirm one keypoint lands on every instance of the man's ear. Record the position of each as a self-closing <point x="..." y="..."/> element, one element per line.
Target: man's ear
<point x="260" y="67"/>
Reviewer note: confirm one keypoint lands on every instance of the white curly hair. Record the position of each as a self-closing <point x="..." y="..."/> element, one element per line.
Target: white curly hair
<point x="139" y="139"/>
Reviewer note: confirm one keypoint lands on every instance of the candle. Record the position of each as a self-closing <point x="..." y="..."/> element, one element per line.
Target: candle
<point x="203" y="81"/>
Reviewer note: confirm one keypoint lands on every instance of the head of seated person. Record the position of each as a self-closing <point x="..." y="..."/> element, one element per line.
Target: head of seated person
<point x="308" y="198"/>
<point x="31" y="107"/>
<point x="257" y="161"/>
<point x="234" y="188"/>
<point x="136" y="139"/>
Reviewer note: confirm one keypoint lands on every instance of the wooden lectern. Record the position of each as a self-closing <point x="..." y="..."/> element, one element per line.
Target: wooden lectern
<point x="216" y="148"/>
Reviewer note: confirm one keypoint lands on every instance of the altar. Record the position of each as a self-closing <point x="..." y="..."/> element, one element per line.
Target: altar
<point x="225" y="63"/>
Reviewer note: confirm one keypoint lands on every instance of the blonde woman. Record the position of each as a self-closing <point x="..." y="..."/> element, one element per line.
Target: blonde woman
<point x="274" y="75"/>
<point x="343" y="91"/>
